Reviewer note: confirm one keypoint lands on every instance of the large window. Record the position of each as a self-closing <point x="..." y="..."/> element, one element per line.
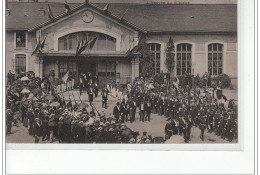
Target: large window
<point x="155" y="50"/>
<point x="184" y="58"/>
<point x="67" y="66"/>
<point x="106" y="68"/>
<point x="20" y="39"/>
<point x="103" y="43"/>
<point x="20" y="63"/>
<point x="215" y="58"/>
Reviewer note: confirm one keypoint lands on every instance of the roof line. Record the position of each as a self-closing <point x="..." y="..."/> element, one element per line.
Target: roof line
<point x="191" y="32"/>
<point x="123" y="21"/>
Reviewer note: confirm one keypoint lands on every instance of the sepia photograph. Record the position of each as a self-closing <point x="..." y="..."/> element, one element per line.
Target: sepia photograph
<point x="121" y="72"/>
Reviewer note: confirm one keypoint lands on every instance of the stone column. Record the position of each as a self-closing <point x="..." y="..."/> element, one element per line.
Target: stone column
<point x="38" y="67"/>
<point x="135" y="66"/>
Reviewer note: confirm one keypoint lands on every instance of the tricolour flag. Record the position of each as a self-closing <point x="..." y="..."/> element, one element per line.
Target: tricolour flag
<point x="65" y="77"/>
<point x="43" y="43"/>
<point x="38" y="45"/>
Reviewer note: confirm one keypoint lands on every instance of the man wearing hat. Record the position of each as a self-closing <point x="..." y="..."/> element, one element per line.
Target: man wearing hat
<point x="117" y="111"/>
<point x="37" y="130"/>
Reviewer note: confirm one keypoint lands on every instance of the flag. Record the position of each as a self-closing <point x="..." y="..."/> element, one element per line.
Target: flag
<point x="67" y="8"/>
<point x="43" y="43"/>
<point x="106" y="8"/>
<point x="65" y="77"/>
<point x="91" y="43"/>
<point x="38" y="45"/>
<point x="77" y="48"/>
<point x="50" y="14"/>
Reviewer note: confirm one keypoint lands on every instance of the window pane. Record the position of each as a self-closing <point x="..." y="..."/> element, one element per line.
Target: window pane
<point x="65" y="44"/>
<point x="158" y="47"/>
<point x="220" y="47"/>
<point x="178" y="64"/>
<point x="188" y="63"/>
<point x="220" y="71"/>
<point x="179" y="47"/>
<point x="20" y="39"/>
<point x="184" y="47"/>
<point x="189" y="70"/>
<point x="183" y="71"/>
<point x="215" y="71"/>
<point x="210" y="47"/>
<point x="152" y="47"/>
<point x="210" y="56"/>
<point x="219" y="63"/>
<point x="183" y="63"/>
<point x="189" y="56"/>
<point x="184" y="57"/>
<point x="210" y="63"/>
<point x="20" y="63"/>
<point x="220" y="56"/>
<point x="214" y="56"/>
<point x="215" y="63"/>
<point x="215" y="47"/>
<point x="158" y="55"/>
<point x="178" y="56"/>
<point x="189" y="47"/>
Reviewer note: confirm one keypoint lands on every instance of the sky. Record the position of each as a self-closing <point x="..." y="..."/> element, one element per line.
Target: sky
<point x="148" y="1"/>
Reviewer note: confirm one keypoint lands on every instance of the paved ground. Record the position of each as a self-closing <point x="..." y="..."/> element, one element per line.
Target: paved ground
<point x="155" y="127"/>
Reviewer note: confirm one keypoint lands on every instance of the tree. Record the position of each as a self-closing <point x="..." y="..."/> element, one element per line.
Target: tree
<point x="146" y="63"/>
<point x="169" y="61"/>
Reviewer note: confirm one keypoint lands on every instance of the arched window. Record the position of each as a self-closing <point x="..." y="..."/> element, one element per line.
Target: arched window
<point x="155" y="51"/>
<point x="215" y="58"/>
<point x="20" y="63"/>
<point x="184" y="58"/>
<point x="103" y="43"/>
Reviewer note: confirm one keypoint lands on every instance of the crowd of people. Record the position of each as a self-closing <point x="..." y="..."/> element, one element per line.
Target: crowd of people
<point x="185" y="106"/>
<point x="48" y="116"/>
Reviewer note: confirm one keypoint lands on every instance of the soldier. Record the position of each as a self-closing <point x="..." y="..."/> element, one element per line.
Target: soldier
<point x="117" y="111"/>
<point x="104" y="94"/>
<point x="9" y="120"/>
<point x="90" y="95"/>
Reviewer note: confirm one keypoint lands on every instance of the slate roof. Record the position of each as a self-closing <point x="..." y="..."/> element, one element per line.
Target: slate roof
<point x="143" y="17"/>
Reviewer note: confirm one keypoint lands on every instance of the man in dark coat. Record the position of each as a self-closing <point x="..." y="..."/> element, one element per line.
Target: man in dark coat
<point x="132" y="110"/>
<point x="104" y="94"/>
<point x="9" y="120"/>
<point x="90" y="95"/>
<point x="30" y="116"/>
<point x="45" y="127"/>
<point x="37" y="130"/>
<point x="117" y="111"/>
